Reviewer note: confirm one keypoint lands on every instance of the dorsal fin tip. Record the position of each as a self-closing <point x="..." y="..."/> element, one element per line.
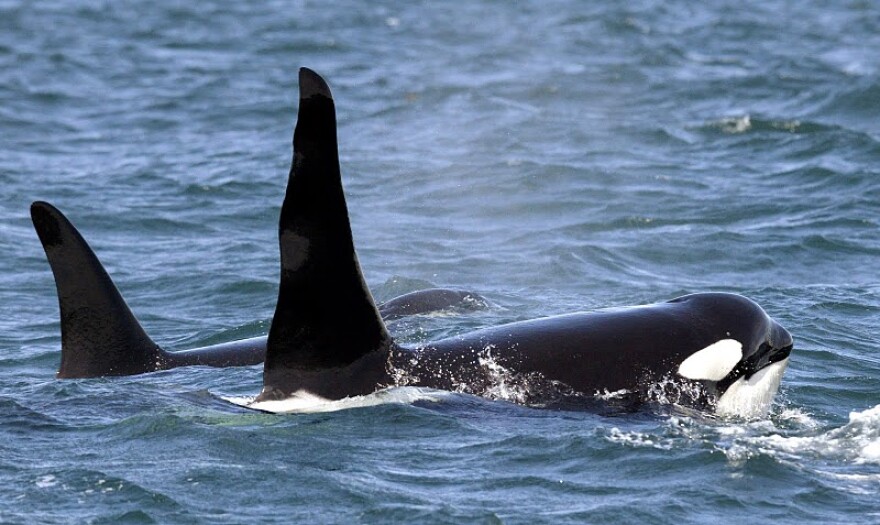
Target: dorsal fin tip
<point x="46" y="223"/>
<point x="311" y="84"/>
<point x="99" y="334"/>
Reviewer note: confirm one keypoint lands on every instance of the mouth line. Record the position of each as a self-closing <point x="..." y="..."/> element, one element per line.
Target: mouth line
<point x="754" y="364"/>
<point x="778" y="354"/>
<point x="774" y="355"/>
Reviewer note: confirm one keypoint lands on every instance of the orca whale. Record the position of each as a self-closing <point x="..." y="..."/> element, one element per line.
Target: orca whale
<point x="100" y="336"/>
<point x="327" y="340"/>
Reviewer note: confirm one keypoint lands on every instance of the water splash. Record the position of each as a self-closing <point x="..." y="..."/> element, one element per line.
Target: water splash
<point x="305" y="403"/>
<point x="502" y="384"/>
<point x="674" y="390"/>
<point x="735" y="124"/>
<point x="856" y="442"/>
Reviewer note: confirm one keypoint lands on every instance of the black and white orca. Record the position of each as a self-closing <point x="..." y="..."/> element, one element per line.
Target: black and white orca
<point x="327" y="340"/>
<point x="100" y="336"/>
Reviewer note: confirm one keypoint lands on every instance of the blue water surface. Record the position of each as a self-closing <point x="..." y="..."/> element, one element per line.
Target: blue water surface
<point x="553" y="157"/>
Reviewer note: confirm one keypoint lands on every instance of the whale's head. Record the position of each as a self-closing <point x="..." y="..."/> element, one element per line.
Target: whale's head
<point x="746" y="356"/>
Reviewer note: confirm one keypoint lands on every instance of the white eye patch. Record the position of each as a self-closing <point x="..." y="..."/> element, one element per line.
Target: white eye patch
<point x="714" y="362"/>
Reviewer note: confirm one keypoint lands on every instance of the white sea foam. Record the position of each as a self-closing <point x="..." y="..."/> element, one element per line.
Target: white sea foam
<point x="734" y="125"/>
<point x="857" y="442"/>
<point x="46" y="481"/>
<point x="797" y="417"/>
<point x="307" y="403"/>
<point x="675" y="432"/>
<point x="638" y="439"/>
<point x="839" y="454"/>
<point x="606" y="395"/>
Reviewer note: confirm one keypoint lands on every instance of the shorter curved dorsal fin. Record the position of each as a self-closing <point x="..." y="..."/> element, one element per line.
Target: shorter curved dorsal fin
<point x="99" y="334"/>
<point x="325" y="318"/>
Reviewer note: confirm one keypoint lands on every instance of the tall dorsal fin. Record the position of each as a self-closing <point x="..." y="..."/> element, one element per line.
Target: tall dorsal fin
<point x="325" y="317"/>
<point x="99" y="334"/>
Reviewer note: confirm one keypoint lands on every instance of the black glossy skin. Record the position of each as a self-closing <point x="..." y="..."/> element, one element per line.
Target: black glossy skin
<point x="95" y="321"/>
<point x="325" y="318"/>
<point x="335" y="353"/>
<point x="574" y="356"/>
<point x="607" y="350"/>
<point x="101" y="337"/>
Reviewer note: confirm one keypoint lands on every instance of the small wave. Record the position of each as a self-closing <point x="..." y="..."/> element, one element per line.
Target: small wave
<point x="734" y="124"/>
<point x="92" y="489"/>
<point x="639" y="439"/>
<point x="46" y="481"/>
<point x="738" y="440"/>
<point x="858" y="99"/>
<point x="747" y="123"/>
<point x="790" y="417"/>
<point x="856" y="442"/>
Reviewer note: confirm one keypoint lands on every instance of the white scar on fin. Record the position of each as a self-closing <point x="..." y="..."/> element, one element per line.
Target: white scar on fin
<point x="712" y="363"/>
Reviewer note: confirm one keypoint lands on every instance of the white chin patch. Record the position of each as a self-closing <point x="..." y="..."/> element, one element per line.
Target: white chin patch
<point x="712" y="363"/>
<point x="751" y="398"/>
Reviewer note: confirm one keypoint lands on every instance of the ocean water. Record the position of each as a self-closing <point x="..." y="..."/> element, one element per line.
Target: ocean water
<point x="553" y="157"/>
